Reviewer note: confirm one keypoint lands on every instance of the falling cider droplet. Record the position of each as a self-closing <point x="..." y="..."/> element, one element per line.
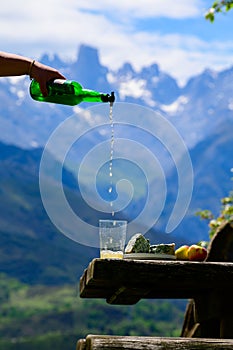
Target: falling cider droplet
<point x="111" y="153"/>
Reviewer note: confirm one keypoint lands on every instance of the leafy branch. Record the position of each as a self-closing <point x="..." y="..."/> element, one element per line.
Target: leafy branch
<point x="218" y="6"/>
<point x="226" y="214"/>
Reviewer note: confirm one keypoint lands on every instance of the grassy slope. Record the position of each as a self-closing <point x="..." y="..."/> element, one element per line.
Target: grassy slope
<point x="40" y="307"/>
<point x="38" y="315"/>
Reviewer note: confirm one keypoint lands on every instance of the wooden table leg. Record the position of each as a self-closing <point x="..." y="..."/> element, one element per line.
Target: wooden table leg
<point x="207" y="313"/>
<point x="226" y="323"/>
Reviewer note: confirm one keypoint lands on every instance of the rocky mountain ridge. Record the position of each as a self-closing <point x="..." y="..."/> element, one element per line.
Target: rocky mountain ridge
<point x="201" y="112"/>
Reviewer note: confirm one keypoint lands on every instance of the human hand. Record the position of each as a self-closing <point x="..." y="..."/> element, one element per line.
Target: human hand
<point x="42" y="74"/>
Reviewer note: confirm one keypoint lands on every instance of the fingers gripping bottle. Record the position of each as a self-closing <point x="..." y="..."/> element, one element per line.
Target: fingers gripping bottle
<point x="68" y="92"/>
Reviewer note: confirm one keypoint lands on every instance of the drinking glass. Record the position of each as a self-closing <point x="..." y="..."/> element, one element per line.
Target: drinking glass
<point x="112" y="238"/>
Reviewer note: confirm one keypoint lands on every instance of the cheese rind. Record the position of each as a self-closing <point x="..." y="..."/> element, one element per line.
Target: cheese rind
<point x="163" y="249"/>
<point x="138" y="244"/>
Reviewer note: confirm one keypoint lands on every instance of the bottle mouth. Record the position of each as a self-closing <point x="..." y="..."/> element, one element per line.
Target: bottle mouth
<point x="108" y="98"/>
<point x="112" y="97"/>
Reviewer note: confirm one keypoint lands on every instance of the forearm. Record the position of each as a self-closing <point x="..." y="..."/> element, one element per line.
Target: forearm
<point x="13" y="65"/>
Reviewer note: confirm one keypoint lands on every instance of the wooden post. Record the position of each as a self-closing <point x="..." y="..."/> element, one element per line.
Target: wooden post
<point x="226" y="324"/>
<point x="207" y="313"/>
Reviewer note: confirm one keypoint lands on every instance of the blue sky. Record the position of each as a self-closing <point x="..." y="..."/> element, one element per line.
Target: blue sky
<point x="173" y="34"/>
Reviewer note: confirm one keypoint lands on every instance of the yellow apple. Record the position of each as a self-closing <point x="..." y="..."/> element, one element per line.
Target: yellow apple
<point x="182" y="252"/>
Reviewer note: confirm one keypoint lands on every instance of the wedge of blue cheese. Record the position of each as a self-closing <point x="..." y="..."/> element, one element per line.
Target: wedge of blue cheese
<point x="168" y="249"/>
<point x="138" y="244"/>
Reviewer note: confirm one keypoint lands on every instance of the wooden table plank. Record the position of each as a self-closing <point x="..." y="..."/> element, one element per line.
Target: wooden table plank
<point x="105" y="342"/>
<point x="119" y="280"/>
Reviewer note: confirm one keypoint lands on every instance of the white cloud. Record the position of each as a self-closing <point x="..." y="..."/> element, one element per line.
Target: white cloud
<point x="60" y="26"/>
<point x="66" y="19"/>
<point x="147" y="8"/>
<point x="176" y="106"/>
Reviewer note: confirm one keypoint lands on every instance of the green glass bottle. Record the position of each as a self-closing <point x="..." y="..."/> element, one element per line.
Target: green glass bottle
<point x="68" y="92"/>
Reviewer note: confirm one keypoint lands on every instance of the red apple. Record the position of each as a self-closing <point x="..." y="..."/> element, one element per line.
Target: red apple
<point x="197" y="253"/>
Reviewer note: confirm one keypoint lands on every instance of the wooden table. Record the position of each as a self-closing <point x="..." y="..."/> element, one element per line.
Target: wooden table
<point x="125" y="282"/>
<point x="128" y="281"/>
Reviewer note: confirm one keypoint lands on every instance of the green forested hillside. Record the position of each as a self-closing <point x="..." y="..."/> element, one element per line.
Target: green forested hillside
<point x="31" y="248"/>
<point x="40" y="270"/>
<point x="45" y="317"/>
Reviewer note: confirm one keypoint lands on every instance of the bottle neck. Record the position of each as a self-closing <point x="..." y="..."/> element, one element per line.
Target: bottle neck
<point x="90" y="95"/>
